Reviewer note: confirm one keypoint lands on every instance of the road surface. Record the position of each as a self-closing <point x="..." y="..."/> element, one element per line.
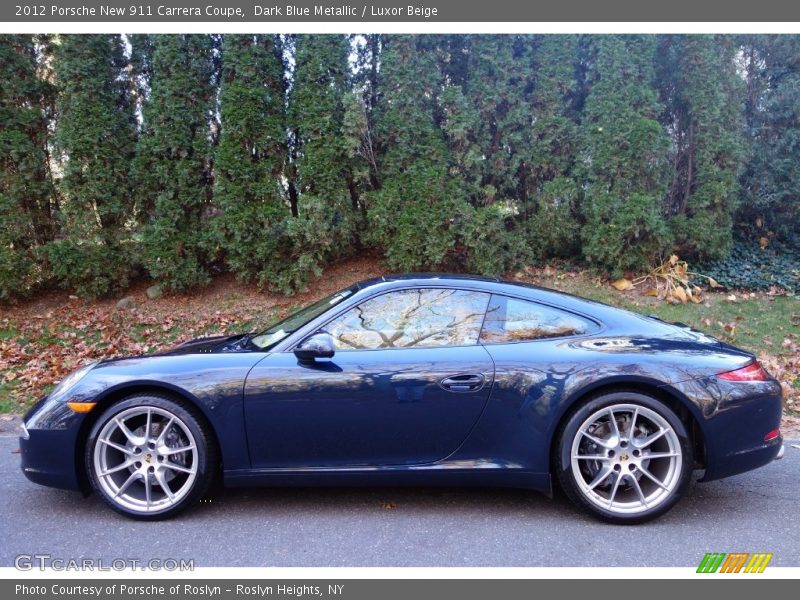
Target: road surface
<point x="754" y="512"/>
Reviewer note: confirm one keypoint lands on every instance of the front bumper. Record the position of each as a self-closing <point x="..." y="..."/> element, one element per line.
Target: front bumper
<point x="48" y="445"/>
<point x="48" y="458"/>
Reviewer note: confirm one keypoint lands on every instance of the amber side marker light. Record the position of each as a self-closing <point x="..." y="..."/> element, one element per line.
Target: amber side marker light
<point x="752" y="372"/>
<point x="81" y="407"/>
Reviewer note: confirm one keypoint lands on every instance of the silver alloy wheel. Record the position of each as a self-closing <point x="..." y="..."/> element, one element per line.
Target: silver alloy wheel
<point x="626" y="459"/>
<point x="145" y="459"/>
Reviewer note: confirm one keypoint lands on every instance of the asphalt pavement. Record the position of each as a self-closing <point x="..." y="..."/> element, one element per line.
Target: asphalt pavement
<point x="754" y="512"/>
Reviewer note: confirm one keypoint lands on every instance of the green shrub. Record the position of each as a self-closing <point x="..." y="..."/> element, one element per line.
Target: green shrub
<point x="748" y="266"/>
<point x="88" y="268"/>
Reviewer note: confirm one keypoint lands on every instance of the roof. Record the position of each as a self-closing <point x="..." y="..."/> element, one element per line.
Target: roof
<point x="425" y="276"/>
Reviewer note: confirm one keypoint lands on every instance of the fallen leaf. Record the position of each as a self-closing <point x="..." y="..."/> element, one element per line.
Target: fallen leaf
<point x="622" y="284"/>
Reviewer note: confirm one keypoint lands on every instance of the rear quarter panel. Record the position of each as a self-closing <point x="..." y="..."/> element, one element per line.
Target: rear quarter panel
<point x="537" y="383"/>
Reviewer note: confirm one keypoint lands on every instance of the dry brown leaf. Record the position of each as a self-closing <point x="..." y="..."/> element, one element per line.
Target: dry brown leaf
<point x="622" y="284"/>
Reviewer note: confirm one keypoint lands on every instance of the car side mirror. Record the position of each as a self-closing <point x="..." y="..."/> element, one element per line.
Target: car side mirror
<point x="319" y="345"/>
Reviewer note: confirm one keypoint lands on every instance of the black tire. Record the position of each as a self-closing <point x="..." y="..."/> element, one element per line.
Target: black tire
<point x="577" y="476"/>
<point x="188" y="428"/>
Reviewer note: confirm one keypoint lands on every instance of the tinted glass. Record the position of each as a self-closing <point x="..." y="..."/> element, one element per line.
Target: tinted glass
<point x="512" y="320"/>
<point x="422" y="318"/>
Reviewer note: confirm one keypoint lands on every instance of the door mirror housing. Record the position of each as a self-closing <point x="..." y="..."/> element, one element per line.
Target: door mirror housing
<point x="319" y="345"/>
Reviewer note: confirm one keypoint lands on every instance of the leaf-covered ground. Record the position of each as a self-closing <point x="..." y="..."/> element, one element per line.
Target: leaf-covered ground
<point x="44" y="339"/>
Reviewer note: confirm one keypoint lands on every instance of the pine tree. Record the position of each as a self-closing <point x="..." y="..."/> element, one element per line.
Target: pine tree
<point x="326" y="226"/>
<point x="703" y="99"/>
<point x="25" y="187"/>
<point x="415" y="215"/>
<point x="251" y="230"/>
<point x="624" y="156"/>
<point x="95" y="138"/>
<point x="174" y="160"/>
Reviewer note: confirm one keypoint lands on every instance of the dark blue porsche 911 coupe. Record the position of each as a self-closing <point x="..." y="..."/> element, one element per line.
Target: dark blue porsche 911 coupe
<point x="417" y="379"/>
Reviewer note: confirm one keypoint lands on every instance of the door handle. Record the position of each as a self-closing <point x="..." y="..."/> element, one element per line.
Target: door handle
<point x="462" y="383"/>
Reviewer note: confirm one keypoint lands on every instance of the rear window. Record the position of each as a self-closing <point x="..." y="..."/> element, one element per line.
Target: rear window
<point x="512" y="320"/>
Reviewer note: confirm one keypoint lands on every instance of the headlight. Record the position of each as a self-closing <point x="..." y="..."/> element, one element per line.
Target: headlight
<point x="70" y="380"/>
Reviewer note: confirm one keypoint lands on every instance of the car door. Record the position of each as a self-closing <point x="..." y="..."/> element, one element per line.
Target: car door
<point x="406" y="385"/>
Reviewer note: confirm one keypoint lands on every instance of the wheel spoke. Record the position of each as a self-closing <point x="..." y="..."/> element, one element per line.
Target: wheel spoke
<point x="173" y="451"/>
<point x="653" y="478"/>
<point x="661" y="455"/>
<point x="164" y="485"/>
<point x="149" y="423"/>
<point x="614" y="489"/>
<point x="133" y="477"/>
<point x="163" y="434"/>
<point x="597" y="440"/>
<point x="639" y="491"/>
<point x="632" y="430"/>
<point x="613" y="420"/>
<point x="119" y="467"/>
<point x="602" y="457"/>
<point x="600" y="477"/>
<point x="645" y="442"/>
<point x="174" y="467"/>
<point x="134" y="439"/>
<point x="116" y="446"/>
<point x="148" y="492"/>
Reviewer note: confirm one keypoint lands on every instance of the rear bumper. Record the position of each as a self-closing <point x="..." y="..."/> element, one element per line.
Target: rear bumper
<point x="745" y="460"/>
<point x="735" y="429"/>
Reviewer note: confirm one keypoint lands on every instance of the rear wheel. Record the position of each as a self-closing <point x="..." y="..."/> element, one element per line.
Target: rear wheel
<point x="624" y="457"/>
<point x="150" y="457"/>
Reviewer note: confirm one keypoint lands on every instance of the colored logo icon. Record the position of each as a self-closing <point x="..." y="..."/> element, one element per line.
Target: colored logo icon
<point x="734" y="562"/>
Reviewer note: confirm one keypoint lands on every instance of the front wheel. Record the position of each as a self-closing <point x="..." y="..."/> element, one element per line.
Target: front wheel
<point x="624" y="457"/>
<point x="150" y="457"/>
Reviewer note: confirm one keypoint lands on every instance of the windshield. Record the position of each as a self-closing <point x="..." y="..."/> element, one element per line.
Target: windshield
<point x="268" y="338"/>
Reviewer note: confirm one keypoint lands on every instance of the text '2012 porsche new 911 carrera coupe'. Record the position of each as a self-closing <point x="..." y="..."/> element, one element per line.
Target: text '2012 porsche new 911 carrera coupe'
<point x="417" y="379"/>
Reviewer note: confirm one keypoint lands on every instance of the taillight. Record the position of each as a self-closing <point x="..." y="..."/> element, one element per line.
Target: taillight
<point x="752" y="372"/>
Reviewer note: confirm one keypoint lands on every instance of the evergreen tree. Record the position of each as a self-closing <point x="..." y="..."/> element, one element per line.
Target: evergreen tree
<point x="174" y="159"/>
<point x="771" y="178"/>
<point x="251" y="230"/>
<point x="415" y="215"/>
<point x="487" y="122"/>
<point x="95" y="137"/>
<point x="703" y="101"/>
<point x="326" y="226"/>
<point x="624" y="156"/>
<point x="25" y="187"/>
<point x="548" y="180"/>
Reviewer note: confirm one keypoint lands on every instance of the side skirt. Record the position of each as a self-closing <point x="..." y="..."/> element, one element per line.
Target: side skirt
<point x="437" y="475"/>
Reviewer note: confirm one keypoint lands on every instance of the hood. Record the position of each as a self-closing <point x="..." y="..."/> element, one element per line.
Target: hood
<point x="208" y="345"/>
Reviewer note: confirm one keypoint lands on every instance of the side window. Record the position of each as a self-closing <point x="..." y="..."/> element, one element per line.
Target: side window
<point x="421" y="318"/>
<point x="512" y="320"/>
